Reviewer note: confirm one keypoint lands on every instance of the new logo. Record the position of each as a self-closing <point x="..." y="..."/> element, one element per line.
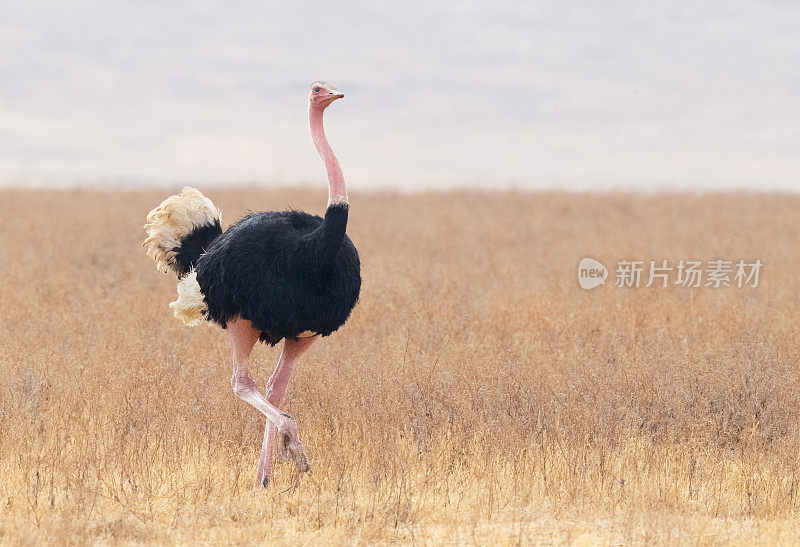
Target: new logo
<point x="591" y="273"/>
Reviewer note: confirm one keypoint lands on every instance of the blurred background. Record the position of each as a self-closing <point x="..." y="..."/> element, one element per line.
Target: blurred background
<point x="585" y="95"/>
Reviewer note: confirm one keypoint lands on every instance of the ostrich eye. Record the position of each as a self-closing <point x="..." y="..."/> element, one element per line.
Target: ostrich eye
<point x="316" y="90"/>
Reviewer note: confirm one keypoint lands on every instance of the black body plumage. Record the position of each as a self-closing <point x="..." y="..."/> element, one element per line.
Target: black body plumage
<point x="287" y="272"/>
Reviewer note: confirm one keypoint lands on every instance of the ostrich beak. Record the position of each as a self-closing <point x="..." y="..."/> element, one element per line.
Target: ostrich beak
<point x="338" y="95"/>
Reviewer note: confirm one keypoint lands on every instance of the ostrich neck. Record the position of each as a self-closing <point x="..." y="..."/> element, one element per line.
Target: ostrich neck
<point x="337" y="192"/>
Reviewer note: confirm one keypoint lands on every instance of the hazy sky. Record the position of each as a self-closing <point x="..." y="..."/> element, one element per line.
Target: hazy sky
<point x="577" y="95"/>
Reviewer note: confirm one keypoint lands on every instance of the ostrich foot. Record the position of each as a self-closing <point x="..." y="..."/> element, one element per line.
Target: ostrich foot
<point x="264" y="470"/>
<point x="261" y="482"/>
<point x="289" y="445"/>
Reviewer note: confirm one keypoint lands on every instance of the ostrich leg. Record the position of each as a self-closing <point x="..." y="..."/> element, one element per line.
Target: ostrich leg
<point x="242" y="337"/>
<point x="275" y="393"/>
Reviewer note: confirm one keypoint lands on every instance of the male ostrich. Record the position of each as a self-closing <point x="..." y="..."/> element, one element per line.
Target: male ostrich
<point x="271" y="276"/>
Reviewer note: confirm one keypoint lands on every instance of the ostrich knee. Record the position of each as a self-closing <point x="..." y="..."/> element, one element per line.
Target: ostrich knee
<point x="242" y="386"/>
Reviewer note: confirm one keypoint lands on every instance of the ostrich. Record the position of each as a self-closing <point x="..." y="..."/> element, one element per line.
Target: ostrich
<point x="281" y="275"/>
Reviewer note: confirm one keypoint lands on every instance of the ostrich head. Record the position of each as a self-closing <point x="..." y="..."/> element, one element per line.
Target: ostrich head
<point x="322" y="94"/>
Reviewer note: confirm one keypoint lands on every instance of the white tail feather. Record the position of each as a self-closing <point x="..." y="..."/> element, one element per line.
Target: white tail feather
<point x="190" y="307"/>
<point x="173" y="220"/>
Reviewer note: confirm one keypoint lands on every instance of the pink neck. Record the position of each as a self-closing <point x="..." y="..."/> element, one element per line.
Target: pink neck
<point x="337" y="193"/>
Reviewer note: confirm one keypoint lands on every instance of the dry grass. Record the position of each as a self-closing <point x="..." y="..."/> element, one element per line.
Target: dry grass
<point x="477" y="394"/>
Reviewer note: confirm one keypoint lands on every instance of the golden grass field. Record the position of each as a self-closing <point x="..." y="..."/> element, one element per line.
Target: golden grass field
<point x="476" y="395"/>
